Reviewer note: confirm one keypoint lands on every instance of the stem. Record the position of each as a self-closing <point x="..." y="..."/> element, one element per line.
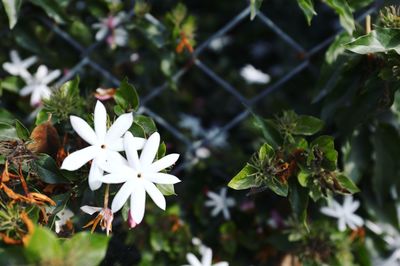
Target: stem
<point x="368" y="24"/>
<point x="23" y="183"/>
<point x="106" y="196"/>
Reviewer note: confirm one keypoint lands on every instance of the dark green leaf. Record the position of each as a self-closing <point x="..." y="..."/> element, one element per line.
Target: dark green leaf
<point x="166" y="189"/>
<point x="12" y="9"/>
<point x="347" y="183"/>
<point x="308" y="9"/>
<point x="48" y="171"/>
<point x="126" y="96"/>
<point x="7" y="131"/>
<point x="298" y="198"/>
<point x="22" y="131"/>
<point x="307" y="125"/>
<point x="52" y="8"/>
<point x="343" y="9"/>
<point x="44" y="247"/>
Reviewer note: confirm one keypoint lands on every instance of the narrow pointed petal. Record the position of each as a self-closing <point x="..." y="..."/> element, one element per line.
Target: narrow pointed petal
<point x="357" y="220"/>
<point x="329" y="211"/>
<point x="77" y="159"/>
<point x="95" y="175"/>
<point x="41" y="72"/>
<point x="119" y="127"/>
<point x="216" y="210"/>
<point x="36" y="97"/>
<point x="207" y="257"/>
<point x="223" y="263"/>
<point x="209" y="203"/>
<point x="155" y="194"/>
<point x="29" y="61"/>
<point x="114" y="178"/>
<point x="150" y="149"/>
<point x="131" y="151"/>
<point x="51" y="76"/>
<point x="342" y="224"/>
<point x="161" y="178"/>
<point x="191" y="258"/>
<point x="83" y="130"/>
<point x="11" y="68"/>
<point x="226" y="213"/>
<point x="122" y="196"/>
<point x="100" y="121"/>
<point x="26" y="90"/>
<point x="90" y="209"/>
<point x="138" y="203"/>
<point x="15" y="56"/>
<point x="164" y="162"/>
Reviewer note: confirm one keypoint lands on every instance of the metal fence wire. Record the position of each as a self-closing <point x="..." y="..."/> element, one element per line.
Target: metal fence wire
<point x="247" y="104"/>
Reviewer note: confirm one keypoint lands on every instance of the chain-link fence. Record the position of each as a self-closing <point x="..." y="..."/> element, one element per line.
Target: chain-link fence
<point x="199" y="65"/>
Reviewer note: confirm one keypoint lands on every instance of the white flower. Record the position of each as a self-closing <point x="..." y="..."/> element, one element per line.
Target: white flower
<point x="104" y="144"/>
<point x="191" y="123"/>
<point x="105" y="217"/>
<point x="344" y="213"/>
<point x="18" y="67"/>
<point x="206" y="259"/>
<point x="221" y="203"/>
<point x="139" y="176"/>
<point x="217" y="44"/>
<point x="63" y="217"/>
<point x="38" y="84"/>
<point x="117" y="36"/>
<point x="253" y="75"/>
<point x="216" y="138"/>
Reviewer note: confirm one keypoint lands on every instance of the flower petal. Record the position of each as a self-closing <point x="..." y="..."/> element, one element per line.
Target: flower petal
<point x="29" y="61"/>
<point x="36" y="96"/>
<point x="114" y="178"/>
<point x="131" y="151"/>
<point x="51" y="76"/>
<point x="119" y="127"/>
<point x="150" y="149"/>
<point x="138" y="202"/>
<point x="191" y="258"/>
<point x="161" y="178"/>
<point x="164" y="162"/>
<point x="27" y="90"/>
<point x="83" y="130"/>
<point x="207" y="257"/>
<point x="90" y="209"/>
<point x="329" y="212"/>
<point x="222" y="263"/>
<point x="155" y="194"/>
<point x="78" y="158"/>
<point x="95" y="175"/>
<point x="100" y="121"/>
<point x="122" y="196"/>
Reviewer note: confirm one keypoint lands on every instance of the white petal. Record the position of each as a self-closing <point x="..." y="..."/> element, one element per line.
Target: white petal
<point x="150" y="149"/>
<point x="216" y="210"/>
<point x="342" y="224"/>
<point x="357" y="220"/>
<point x="191" y="258"/>
<point x="223" y="263"/>
<point x="11" y="68"/>
<point x="226" y="213"/>
<point x="41" y="72"/>
<point x="51" y="76"/>
<point x="115" y="144"/>
<point x="210" y="203"/>
<point x="354" y="206"/>
<point x="131" y="151"/>
<point x="161" y="178"/>
<point x="95" y="175"/>
<point x="36" y="96"/>
<point x="100" y="121"/>
<point x="213" y="196"/>
<point x="78" y="158"/>
<point x="83" y="130"/>
<point x="207" y="257"/>
<point x="27" y="90"/>
<point x="102" y="31"/>
<point x="90" y="209"/>
<point x="119" y="127"/>
<point x="154" y="194"/>
<point x="138" y="204"/>
<point x="122" y="196"/>
<point x="114" y="178"/>
<point x="15" y="56"/>
<point x="164" y="162"/>
<point x="329" y="211"/>
<point x="29" y="61"/>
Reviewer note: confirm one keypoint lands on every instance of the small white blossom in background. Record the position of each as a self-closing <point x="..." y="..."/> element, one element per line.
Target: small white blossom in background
<point x="112" y="28"/>
<point x="216" y="138"/>
<point x="104" y="144"/>
<point x="38" y="84"/>
<point x="217" y="44"/>
<point x="253" y="75"/>
<point x="206" y="254"/>
<point x="344" y="213"/>
<point x="191" y="123"/>
<point x="63" y="217"/>
<point x="220" y="203"/>
<point x="139" y="176"/>
<point x="105" y="217"/>
<point x="19" y="67"/>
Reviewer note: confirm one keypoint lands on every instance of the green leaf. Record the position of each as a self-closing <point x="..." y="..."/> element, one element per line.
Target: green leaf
<point x="343" y="9"/>
<point x="244" y="179"/>
<point x="12" y="84"/>
<point x="12" y="9"/>
<point x="298" y="198"/>
<point x="126" y="97"/>
<point x="71" y="87"/>
<point x="166" y="189"/>
<point x="326" y="145"/>
<point x="303" y="177"/>
<point x="52" y="9"/>
<point x="162" y="149"/>
<point x="307" y="125"/>
<point x="7" y="131"/>
<point x="266" y="152"/>
<point x="254" y="7"/>
<point x="48" y="171"/>
<point x="143" y="126"/>
<point x="337" y="47"/>
<point x="6" y="116"/>
<point x="22" y="131"/>
<point x="278" y="187"/>
<point x="44" y="247"/>
<point x="347" y="183"/>
<point x="307" y="6"/>
<point x="269" y="131"/>
<point x="85" y="249"/>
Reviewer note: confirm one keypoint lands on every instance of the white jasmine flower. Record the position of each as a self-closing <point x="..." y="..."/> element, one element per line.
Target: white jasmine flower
<point x="216" y="138"/>
<point x="206" y="259"/>
<point x="18" y="67"/>
<point x="344" y="213"/>
<point x="63" y="217"/>
<point x="139" y="176"/>
<point x="110" y="26"/>
<point x="253" y="75"/>
<point x="191" y="123"/>
<point x="105" y="217"/>
<point x="217" y="44"/>
<point x="221" y="203"/>
<point x="202" y="153"/>
<point x="37" y="85"/>
<point x="104" y="144"/>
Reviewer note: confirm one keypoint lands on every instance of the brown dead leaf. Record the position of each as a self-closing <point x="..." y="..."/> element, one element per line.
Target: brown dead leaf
<point x="45" y="139"/>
